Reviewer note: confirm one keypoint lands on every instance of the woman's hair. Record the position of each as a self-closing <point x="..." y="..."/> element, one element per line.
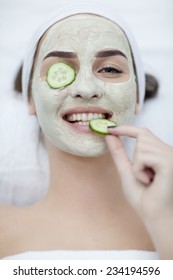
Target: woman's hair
<point x="151" y="82"/>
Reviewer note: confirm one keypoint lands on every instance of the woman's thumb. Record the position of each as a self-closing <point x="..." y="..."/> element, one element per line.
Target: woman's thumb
<point x="119" y="155"/>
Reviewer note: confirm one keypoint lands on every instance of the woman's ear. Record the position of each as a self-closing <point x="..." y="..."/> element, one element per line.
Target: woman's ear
<point x="32" y="110"/>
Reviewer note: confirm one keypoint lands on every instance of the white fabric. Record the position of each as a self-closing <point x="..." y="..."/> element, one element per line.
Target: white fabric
<point x="23" y="159"/>
<point x="84" y="7"/>
<point x="85" y="255"/>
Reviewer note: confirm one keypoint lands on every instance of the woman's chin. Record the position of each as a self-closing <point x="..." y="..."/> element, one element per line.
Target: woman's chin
<point x="87" y="151"/>
<point x="84" y="145"/>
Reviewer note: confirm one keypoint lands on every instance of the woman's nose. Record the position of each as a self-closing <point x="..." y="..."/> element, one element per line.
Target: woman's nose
<point x="85" y="86"/>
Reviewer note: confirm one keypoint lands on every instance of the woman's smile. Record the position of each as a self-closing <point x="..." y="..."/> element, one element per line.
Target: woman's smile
<point x="78" y="118"/>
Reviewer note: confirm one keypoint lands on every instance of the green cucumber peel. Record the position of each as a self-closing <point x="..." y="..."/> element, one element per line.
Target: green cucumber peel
<point x="100" y="126"/>
<point x="60" y="75"/>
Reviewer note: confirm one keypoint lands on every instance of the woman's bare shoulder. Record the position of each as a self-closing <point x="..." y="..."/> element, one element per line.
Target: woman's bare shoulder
<point x="12" y="217"/>
<point x="9" y="219"/>
<point x="16" y="218"/>
<point x="12" y="226"/>
<point x="6" y="215"/>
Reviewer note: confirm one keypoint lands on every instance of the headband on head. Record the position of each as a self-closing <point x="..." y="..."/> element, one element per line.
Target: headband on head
<point x="78" y="9"/>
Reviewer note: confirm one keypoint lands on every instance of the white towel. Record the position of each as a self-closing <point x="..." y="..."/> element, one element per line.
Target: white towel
<point x="85" y="255"/>
<point x="23" y="159"/>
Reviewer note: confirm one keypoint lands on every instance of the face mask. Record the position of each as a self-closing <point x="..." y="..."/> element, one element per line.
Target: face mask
<point x="104" y="86"/>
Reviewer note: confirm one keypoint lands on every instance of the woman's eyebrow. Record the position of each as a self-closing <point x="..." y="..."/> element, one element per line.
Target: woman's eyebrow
<point x="106" y="53"/>
<point x="61" y="54"/>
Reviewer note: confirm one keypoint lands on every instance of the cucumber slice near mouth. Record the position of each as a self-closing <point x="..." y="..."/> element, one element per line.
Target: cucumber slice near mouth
<point x="101" y="125"/>
<point x="60" y="75"/>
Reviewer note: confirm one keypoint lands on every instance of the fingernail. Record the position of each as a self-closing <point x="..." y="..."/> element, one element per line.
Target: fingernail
<point x="112" y="126"/>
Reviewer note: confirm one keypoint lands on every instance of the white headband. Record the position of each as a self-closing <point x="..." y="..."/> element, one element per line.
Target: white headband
<point x="78" y="9"/>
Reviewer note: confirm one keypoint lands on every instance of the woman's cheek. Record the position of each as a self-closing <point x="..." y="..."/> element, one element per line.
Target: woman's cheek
<point x="122" y="98"/>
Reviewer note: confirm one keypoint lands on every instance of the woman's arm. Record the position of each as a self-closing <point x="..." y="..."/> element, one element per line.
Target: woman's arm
<point x="147" y="182"/>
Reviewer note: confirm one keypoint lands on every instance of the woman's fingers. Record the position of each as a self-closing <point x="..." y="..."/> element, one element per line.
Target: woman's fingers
<point x="119" y="155"/>
<point x="142" y="172"/>
<point x="124" y="167"/>
<point x="131" y="131"/>
<point x="142" y="165"/>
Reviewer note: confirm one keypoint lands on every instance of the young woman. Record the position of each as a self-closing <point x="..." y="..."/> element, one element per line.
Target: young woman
<point x="84" y="64"/>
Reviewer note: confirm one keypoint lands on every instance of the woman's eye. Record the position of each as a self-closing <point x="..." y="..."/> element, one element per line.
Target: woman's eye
<point x="110" y="69"/>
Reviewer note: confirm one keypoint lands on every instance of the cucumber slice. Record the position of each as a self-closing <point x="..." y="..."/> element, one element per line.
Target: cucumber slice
<point x="60" y="75"/>
<point x="101" y="125"/>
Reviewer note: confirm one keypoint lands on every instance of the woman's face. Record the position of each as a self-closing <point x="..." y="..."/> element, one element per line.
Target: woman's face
<point x="104" y="86"/>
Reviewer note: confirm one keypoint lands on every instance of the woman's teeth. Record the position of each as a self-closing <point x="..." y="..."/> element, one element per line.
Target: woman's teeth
<point x="84" y="118"/>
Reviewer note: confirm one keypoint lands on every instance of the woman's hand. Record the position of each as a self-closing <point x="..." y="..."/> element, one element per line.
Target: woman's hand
<point x="147" y="181"/>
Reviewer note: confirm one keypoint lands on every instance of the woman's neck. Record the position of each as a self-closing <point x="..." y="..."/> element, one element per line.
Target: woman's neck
<point x="83" y="184"/>
<point x="85" y="199"/>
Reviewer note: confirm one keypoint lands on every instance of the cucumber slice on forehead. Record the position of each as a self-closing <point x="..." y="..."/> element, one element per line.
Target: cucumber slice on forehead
<point x="101" y="125"/>
<point x="60" y="75"/>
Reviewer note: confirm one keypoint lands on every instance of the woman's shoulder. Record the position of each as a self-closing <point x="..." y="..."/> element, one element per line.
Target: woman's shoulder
<point x="16" y="228"/>
<point x="9" y="214"/>
<point x="11" y="227"/>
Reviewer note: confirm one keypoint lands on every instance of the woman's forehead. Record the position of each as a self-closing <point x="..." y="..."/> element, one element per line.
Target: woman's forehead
<point x="86" y="28"/>
<point x="85" y="20"/>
